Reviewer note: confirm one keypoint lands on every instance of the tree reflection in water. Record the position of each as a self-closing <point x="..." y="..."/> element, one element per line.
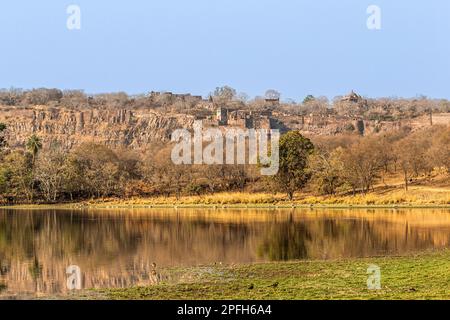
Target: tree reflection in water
<point x="118" y="248"/>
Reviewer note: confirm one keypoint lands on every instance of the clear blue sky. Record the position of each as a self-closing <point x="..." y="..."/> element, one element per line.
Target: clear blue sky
<point x="299" y="47"/>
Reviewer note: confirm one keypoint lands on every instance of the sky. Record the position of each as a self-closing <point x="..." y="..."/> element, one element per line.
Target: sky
<point x="298" y="47"/>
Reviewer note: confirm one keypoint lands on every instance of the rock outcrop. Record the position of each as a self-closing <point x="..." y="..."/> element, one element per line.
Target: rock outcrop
<point x="67" y="128"/>
<point x="139" y="128"/>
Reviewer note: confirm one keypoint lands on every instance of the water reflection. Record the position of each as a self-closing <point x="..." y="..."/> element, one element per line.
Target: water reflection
<point x="119" y="248"/>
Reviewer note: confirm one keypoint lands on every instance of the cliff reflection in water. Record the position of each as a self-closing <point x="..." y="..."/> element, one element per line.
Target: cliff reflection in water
<point x="116" y="248"/>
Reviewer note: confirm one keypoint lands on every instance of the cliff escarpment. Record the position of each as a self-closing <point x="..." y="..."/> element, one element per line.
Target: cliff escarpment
<point x="67" y="128"/>
<point x="138" y="128"/>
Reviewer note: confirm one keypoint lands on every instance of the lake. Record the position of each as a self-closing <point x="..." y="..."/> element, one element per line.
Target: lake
<point x="119" y="248"/>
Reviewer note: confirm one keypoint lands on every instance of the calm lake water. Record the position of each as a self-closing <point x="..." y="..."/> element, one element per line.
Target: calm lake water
<point x="116" y="248"/>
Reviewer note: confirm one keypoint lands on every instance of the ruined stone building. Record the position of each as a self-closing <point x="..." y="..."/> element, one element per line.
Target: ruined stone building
<point x="246" y="119"/>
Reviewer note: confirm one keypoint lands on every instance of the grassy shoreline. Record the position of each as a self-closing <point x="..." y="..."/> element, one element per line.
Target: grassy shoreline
<point x="203" y="206"/>
<point x="416" y="197"/>
<point x="421" y="276"/>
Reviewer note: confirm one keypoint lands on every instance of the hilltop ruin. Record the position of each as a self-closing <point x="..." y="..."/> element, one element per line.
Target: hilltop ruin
<point x="117" y="120"/>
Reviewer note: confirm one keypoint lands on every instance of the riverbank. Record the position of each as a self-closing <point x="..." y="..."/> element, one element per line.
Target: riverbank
<point x="381" y="197"/>
<point x="423" y="276"/>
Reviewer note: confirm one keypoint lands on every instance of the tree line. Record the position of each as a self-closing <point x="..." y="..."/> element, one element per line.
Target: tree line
<point x="326" y="165"/>
<point x="374" y="109"/>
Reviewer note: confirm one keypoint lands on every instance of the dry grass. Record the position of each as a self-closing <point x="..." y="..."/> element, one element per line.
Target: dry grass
<point x="224" y="198"/>
<point x="425" y="193"/>
<point x="414" y="196"/>
<point x="382" y="196"/>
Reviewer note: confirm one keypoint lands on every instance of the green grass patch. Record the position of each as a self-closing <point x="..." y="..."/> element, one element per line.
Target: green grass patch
<point x="424" y="276"/>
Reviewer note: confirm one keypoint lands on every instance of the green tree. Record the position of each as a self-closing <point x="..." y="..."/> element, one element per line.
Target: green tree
<point x="16" y="176"/>
<point x="2" y="138"/>
<point x="293" y="173"/>
<point x="73" y="178"/>
<point x="33" y="145"/>
<point x="4" y="177"/>
<point x="308" y="98"/>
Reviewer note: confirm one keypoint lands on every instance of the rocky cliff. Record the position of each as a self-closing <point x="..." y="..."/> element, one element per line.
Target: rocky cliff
<point x="115" y="128"/>
<point x="137" y="128"/>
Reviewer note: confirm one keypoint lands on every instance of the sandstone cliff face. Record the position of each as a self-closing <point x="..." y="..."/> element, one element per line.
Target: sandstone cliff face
<point x="68" y="128"/>
<point x="139" y="128"/>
